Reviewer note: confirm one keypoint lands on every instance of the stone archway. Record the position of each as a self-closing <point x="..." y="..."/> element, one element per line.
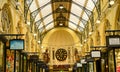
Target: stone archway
<point x="61" y="38"/>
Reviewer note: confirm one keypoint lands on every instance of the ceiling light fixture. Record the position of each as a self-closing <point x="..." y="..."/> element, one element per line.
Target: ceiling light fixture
<point x="61" y="7"/>
<point x="61" y="24"/>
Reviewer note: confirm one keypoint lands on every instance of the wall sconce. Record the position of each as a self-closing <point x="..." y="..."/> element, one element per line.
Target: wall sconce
<point x="28" y="23"/>
<point x="61" y="7"/>
<point x="85" y="40"/>
<point x="61" y="24"/>
<point x="111" y="2"/>
<point x="98" y="21"/>
<point x="90" y="33"/>
<point x="81" y="45"/>
<point x="35" y="34"/>
<point x="39" y="42"/>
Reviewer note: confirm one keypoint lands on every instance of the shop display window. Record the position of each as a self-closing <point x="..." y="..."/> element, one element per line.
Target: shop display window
<point x="91" y="67"/>
<point x="17" y="61"/>
<point x="117" y="54"/>
<point x="10" y="61"/>
<point x="1" y="56"/>
<point x="111" y="61"/>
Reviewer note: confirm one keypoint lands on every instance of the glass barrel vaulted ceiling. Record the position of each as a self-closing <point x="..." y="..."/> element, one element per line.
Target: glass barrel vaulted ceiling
<point x="48" y="14"/>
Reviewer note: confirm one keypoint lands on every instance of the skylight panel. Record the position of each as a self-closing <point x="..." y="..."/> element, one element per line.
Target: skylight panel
<point x="43" y="2"/>
<point x="33" y="6"/>
<point x="79" y="29"/>
<point x="48" y="19"/>
<point x="74" y="18"/>
<point x="46" y="10"/>
<point x="76" y="10"/>
<point x="82" y="25"/>
<point x="40" y="26"/>
<point x="85" y="16"/>
<point x="72" y="26"/>
<point x="95" y="1"/>
<point x="80" y="2"/>
<point x="41" y="29"/>
<point x="49" y="26"/>
<point x="37" y="18"/>
<point x="90" y="5"/>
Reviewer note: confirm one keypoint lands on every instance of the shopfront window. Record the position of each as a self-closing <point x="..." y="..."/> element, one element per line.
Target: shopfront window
<point x="91" y="67"/>
<point x="117" y="54"/>
<point x="111" y="61"/>
<point x="1" y="56"/>
<point x="17" y="61"/>
<point x="10" y="61"/>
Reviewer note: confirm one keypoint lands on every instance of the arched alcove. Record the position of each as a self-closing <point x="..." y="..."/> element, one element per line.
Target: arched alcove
<point x="6" y="19"/>
<point x="60" y="37"/>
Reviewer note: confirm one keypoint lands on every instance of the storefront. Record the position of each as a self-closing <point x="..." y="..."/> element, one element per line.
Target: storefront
<point x="33" y="63"/>
<point x="90" y="63"/>
<point x="113" y="46"/>
<point x="114" y="60"/>
<point x="11" y="63"/>
<point x="12" y="57"/>
<point x="1" y="56"/>
<point x="24" y="62"/>
<point x="9" y="60"/>
<point x="3" y="41"/>
<point x="104" y="62"/>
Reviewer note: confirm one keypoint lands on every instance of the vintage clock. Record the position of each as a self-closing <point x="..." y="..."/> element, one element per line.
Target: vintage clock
<point x="61" y="54"/>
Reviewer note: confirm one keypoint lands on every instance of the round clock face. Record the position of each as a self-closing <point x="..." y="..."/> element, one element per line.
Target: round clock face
<point x="61" y="54"/>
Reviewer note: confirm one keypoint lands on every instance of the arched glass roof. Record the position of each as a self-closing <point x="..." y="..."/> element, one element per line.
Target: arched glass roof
<point x="44" y="16"/>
